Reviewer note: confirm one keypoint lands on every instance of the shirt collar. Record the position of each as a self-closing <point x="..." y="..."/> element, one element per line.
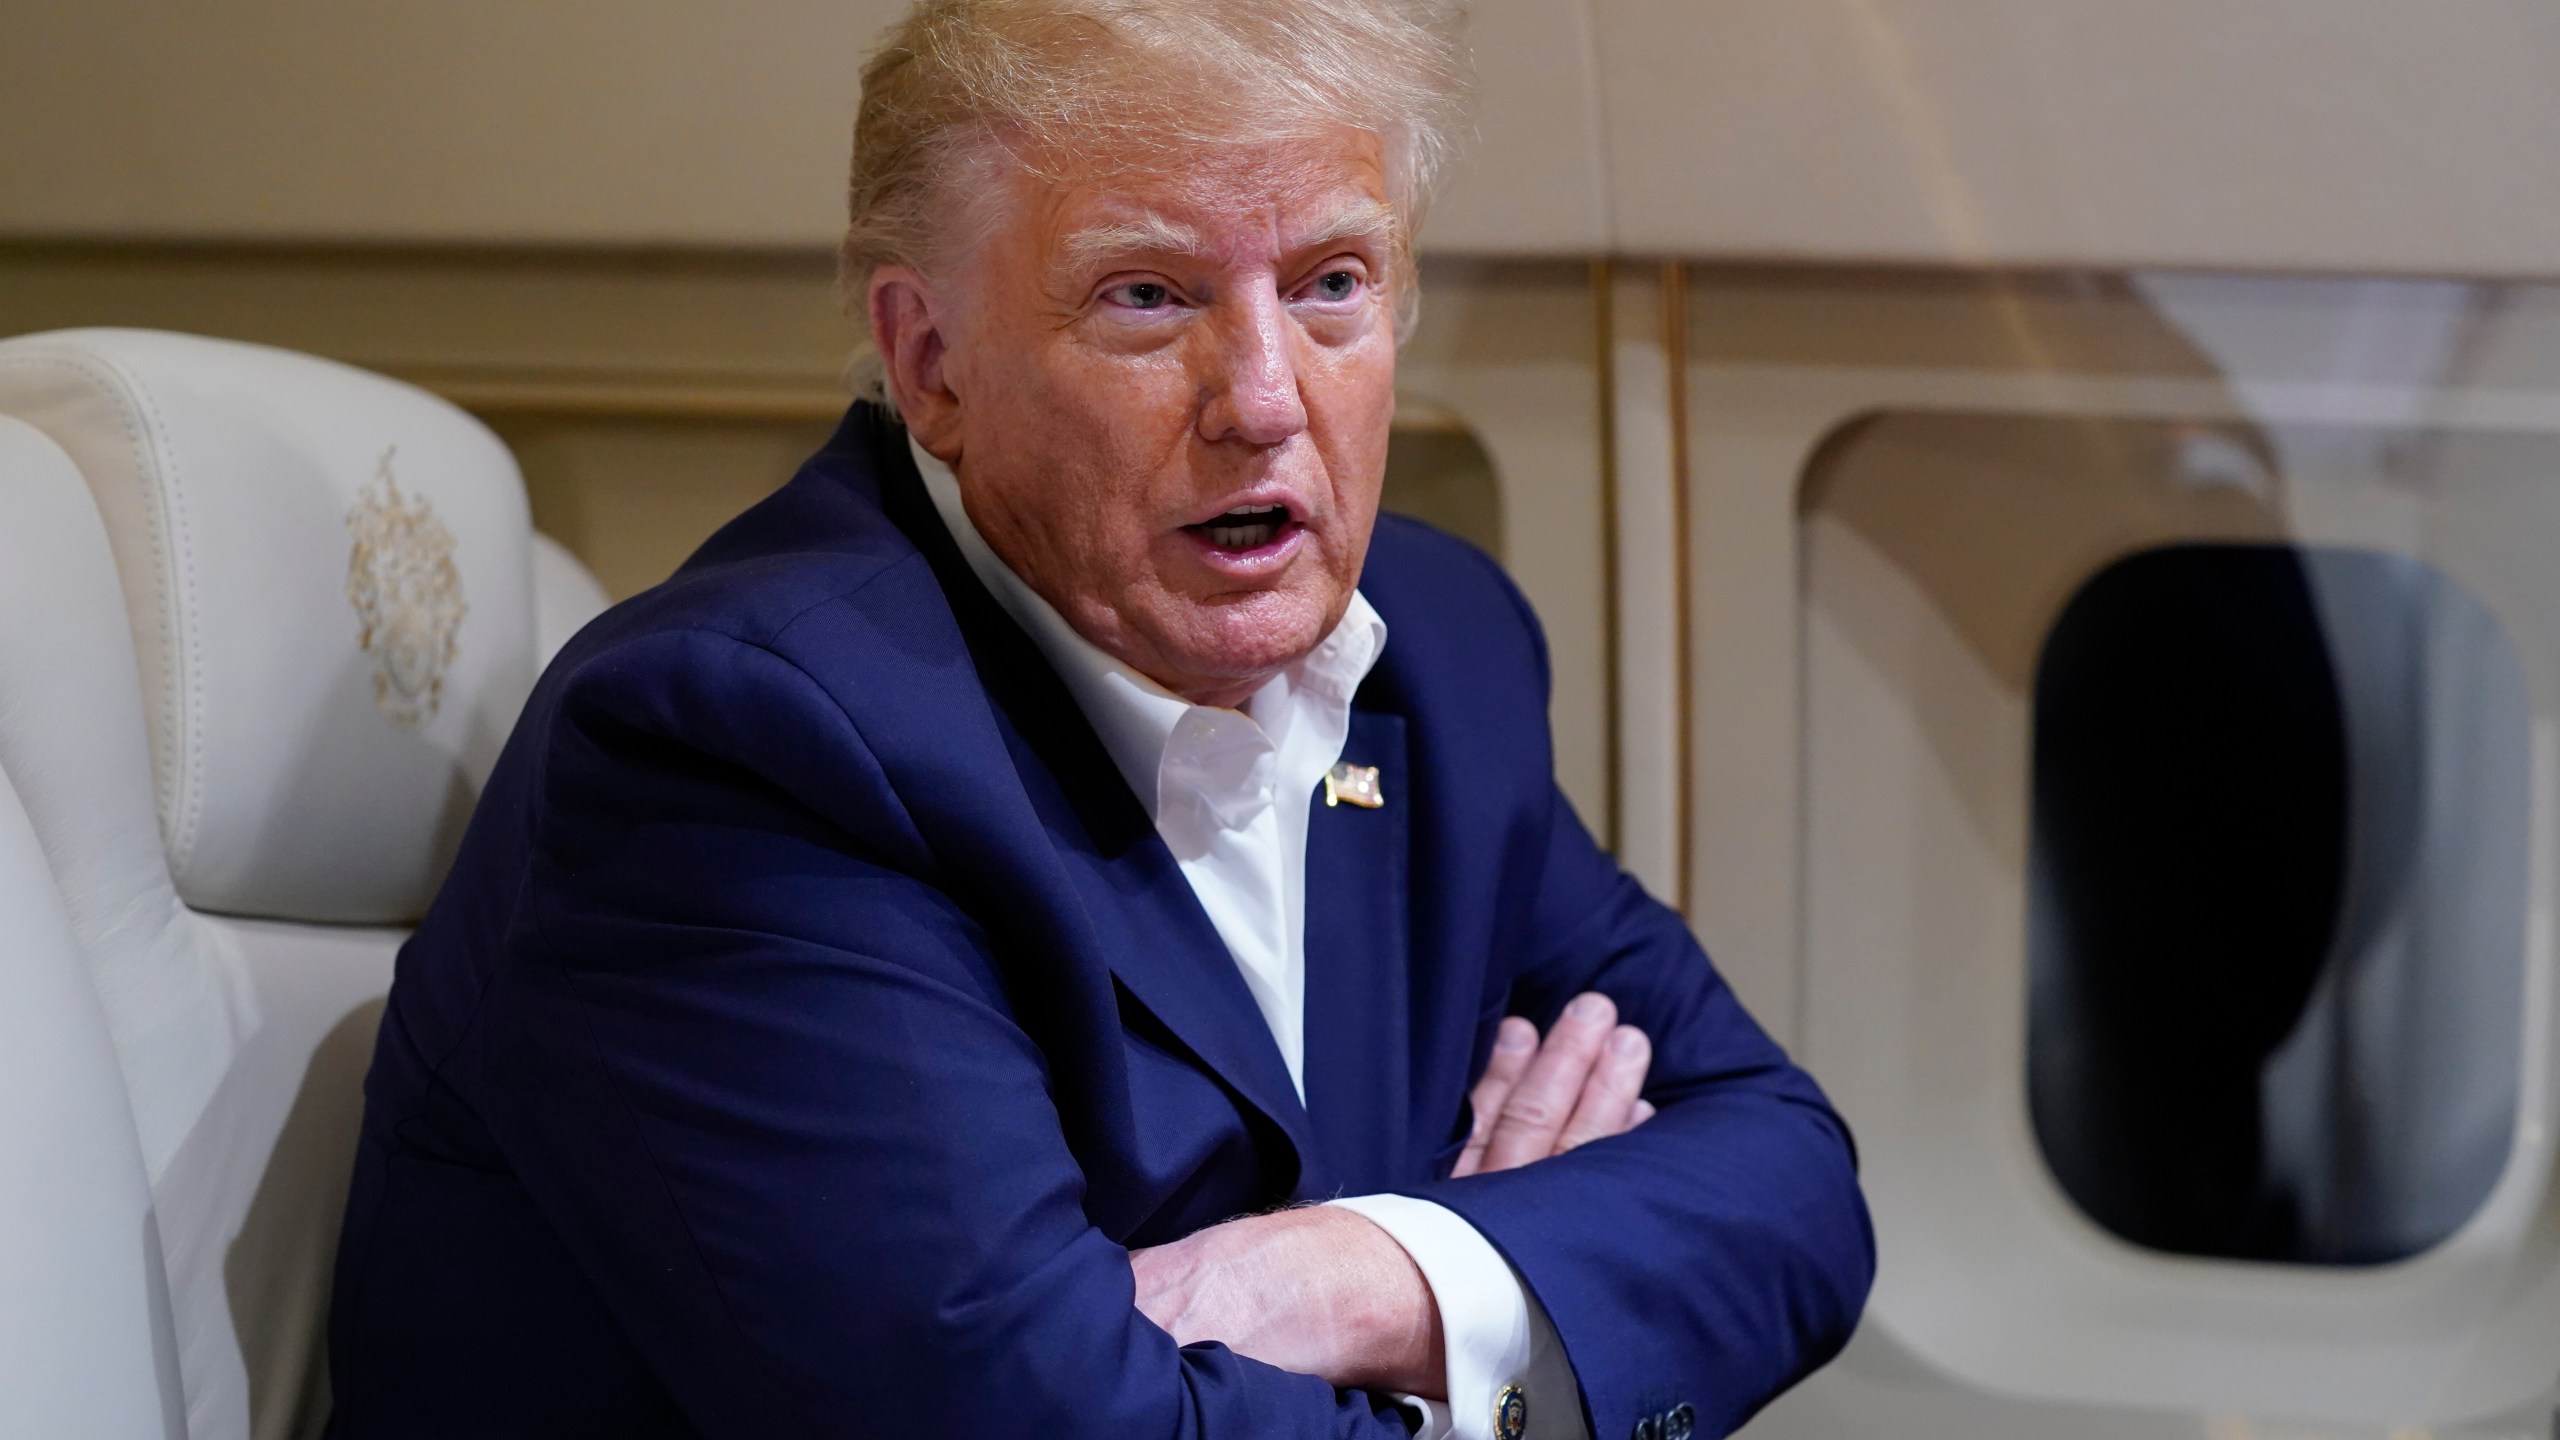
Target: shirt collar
<point x="1133" y="715"/>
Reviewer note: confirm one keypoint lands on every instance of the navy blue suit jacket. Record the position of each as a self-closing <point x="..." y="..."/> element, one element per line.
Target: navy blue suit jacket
<point x="812" y="1019"/>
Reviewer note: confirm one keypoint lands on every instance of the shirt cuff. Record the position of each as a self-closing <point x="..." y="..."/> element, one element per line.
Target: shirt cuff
<point x="1492" y="1330"/>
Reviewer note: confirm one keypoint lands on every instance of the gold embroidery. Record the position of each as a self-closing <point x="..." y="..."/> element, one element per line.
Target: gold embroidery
<point x="407" y="596"/>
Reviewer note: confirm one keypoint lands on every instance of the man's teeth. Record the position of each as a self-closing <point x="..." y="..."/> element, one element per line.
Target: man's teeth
<point x="1247" y="527"/>
<point x="1242" y="537"/>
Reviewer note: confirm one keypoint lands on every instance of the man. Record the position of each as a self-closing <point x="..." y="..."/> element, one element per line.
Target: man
<point x="907" y="967"/>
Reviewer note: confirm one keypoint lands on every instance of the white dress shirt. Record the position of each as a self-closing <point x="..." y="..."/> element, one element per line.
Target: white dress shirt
<point x="1230" y="793"/>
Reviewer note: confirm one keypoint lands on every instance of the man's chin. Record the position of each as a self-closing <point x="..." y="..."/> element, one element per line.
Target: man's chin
<point x="1239" y="647"/>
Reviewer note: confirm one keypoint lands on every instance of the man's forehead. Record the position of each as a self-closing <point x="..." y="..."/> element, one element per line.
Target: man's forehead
<point x="1134" y="230"/>
<point x="1288" y="196"/>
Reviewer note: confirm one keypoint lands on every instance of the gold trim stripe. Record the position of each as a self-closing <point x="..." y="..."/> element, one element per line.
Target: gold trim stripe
<point x="625" y="401"/>
<point x="681" y="398"/>
<point x="1613" y="719"/>
<point x="1675" y="320"/>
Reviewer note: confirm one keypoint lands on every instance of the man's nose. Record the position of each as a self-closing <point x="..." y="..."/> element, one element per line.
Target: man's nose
<point x="1251" y="390"/>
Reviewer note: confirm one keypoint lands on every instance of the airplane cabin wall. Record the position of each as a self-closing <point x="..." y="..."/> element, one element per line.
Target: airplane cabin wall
<point x="1689" y="249"/>
<point x="2253" y="134"/>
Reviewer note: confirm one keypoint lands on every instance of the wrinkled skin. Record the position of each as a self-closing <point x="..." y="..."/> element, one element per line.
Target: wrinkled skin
<point x="1100" y="387"/>
<point x="1125" y="357"/>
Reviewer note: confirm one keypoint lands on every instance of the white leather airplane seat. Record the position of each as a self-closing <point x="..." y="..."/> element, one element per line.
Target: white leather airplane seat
<point x="247" y="698"/>
<point x="566" y="595"/>
<point x="86" y="1345"/>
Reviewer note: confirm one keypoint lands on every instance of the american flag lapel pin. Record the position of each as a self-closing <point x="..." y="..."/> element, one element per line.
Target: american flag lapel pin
<point x="1348" y="784"/>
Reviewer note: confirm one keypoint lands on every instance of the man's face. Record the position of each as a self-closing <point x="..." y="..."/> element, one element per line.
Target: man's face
<point x="1168" y="395"/>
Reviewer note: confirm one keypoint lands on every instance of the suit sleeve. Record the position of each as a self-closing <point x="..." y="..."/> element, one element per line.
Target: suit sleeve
<point x="765" y="1079"/>
<point x="1721" y="1251"/>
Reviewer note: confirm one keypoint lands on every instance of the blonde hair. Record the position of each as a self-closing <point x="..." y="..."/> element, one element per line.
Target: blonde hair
<point x="961" y="88"/>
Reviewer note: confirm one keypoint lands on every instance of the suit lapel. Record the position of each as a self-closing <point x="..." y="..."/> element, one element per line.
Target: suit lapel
<point x="1163" y="949"/>
<point x="1357" y="966"/>
<point x="1152" y="933"/>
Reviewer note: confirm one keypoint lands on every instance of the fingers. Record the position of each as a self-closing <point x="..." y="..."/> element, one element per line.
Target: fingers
<point x="1514" y="1045"/>
<point x="1583" y="1082"/>
<point x="1611" y="1092"/>
<point x="1535" y="1112"/>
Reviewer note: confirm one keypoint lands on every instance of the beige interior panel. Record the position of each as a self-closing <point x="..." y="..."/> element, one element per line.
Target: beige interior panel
<point x="631" y="122"/>
<point x="1773" y="361"/>
<point x="633" y="496"/>
<point x="645" y="122"/>
<point x="1511" y="351"/>
<point x="1649" y="565"/>
<point x="2302" y="134"/>
<point x="2290" y="134"/>
<point x="1532" y="178"/>
<point x="1897" y="479"/>
<point x="495" y="328"/>
<point x="1940" y="549"/>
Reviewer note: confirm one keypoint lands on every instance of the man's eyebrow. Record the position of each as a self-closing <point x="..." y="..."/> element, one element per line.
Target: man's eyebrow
<point x="1155" y="235"/>
<point x="1146" y="235"/>
<point x="1373" y="220"/>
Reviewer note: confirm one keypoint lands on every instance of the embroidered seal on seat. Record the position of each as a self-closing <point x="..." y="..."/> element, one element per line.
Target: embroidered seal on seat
<point x="407" y="596"/>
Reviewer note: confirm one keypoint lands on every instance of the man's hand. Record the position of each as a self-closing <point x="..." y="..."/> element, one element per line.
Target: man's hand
<point x="1325" y="1292"/>
<point x="1540" y="1099"/>
<point x="1317" y="1290"/>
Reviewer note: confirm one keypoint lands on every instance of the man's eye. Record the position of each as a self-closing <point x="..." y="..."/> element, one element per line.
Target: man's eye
<point x="1140" y="295"/>
<point x="1338" y="285"/>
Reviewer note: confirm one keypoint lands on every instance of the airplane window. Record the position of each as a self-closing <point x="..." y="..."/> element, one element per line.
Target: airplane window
<point x="2277" y="902"/>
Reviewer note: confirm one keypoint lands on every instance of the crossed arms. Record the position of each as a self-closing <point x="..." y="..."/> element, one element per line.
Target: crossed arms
<point x="809" y="1138"/>
<point x="1325" y="1292"/>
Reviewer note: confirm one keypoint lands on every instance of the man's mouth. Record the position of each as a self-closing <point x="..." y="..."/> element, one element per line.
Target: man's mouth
<point x="1245" y="528"/>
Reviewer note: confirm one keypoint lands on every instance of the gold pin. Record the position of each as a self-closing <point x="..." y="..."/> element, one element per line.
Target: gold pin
<point x="1348" y="784"/>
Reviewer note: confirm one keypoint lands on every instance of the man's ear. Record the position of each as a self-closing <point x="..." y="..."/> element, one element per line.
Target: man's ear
<point x="907" y="322"/>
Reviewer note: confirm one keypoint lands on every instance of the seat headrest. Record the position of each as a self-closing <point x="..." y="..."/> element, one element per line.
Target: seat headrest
<point x="328" y="576"/>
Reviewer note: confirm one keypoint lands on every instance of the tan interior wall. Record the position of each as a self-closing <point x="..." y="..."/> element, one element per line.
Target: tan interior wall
<point x="633" y="496"/>
<point x="1770" y="359"/>
<point x="2287" y="134"/>
<point x="634" y="122"/>
<point x="2260" y="134"/>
